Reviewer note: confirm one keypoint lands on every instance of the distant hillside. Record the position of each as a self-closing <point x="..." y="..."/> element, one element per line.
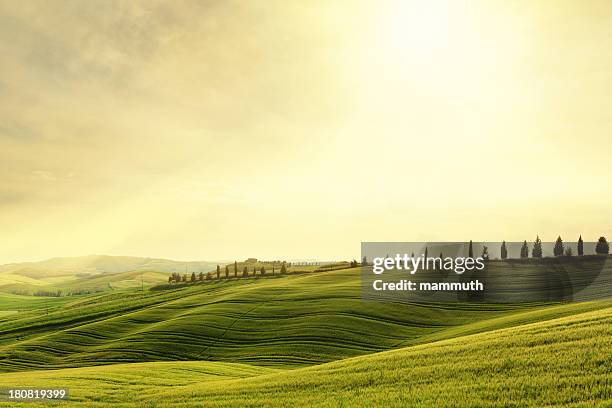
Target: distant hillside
<point x="96" y="264"/>
<point x="94" y="272"/>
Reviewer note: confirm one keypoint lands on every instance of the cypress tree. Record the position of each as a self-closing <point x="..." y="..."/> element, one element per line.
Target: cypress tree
<point x="226" y="271"/>
<point x="485" y="253"/>
<point x="235" y="269"/>
<point x="536" y="252"/>
<point x="558" y="250"/>
<point x="580" y="246"/>
<point x="525" y="250"/>
<point x="201" y="276"/>
<point x="284" y="268"/>
<point x="245" y="271"/>
<point x="193" y="277"/>
<point x="504" y="251"/>
<point x="470" y="250"/>
<point x="262" y="271"/>
<point x="218" y="272"/>
<point x="602" y="247"/>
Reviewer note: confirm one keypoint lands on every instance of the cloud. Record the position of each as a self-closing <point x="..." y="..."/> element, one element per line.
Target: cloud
<point x="43" y="175"/>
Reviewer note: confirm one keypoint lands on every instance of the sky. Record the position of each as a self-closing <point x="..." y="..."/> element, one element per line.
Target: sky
<point x="219" y="130"/>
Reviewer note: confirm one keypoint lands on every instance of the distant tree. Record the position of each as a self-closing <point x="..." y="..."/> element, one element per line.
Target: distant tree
<point x="235" y="269"/>
<point x="504" y="251"/>
<point x="170" y="279"/>
<point x="425" y="254"/>
<point x="525" y="250"/>
<point x="470" y="250"/>
<point x="412" y="255"/>
<point x="193" y="277"/>
<point x="208" y="276"/>
<point x="485" y="253"/>
<point x="558" y="250"/>
<point x="441" y="255"/>
<point x="184" y="278"/>
<point x="283" y="270"/>
<point x="536" y="252"/>
<point x="262" y="271"/>
<point x="364" y="261"/>
<point x="580" y="246"/>
<point x="245" y="271"/>
<point x="226" y="271"/>
<point x="568" y="251"/>
<point x="272" y="269"/>
<point x="201" y="276"/>
<point x="218" y="272"/>
<point x="602" y="247"/>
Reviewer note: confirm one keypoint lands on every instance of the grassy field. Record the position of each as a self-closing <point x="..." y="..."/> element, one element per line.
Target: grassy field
<point x="93" y="273"/>
<point x="293" y="320"/>
<point x="207" y="343"/>
<point x="559" y="362"/>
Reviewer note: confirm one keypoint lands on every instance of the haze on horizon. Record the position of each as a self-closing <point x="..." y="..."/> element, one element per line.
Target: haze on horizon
<point x="279" y="129"/>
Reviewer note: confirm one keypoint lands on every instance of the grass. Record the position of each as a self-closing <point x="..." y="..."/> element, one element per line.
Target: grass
<point x="302" y="339"/>
<point x="559" y="362"/>
<point x="83" y="284"/>
<point x="12" y="281"/>
<point x="26" y="305"/>
<point x="90" y="273"/>
<point x="288" y="321"/>
<point x="129" y="382"/>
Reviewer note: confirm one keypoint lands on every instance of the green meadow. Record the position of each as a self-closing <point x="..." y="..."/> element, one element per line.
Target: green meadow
<point x="559" y="362"/>
<point x="304" y="338"/>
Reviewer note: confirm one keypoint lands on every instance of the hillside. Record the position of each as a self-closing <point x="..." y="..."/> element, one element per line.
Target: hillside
<point x="79" y="273"/>
<point x="559" y="362"/>
<point x="288" y="321"/>
<point x="96" y="264"/>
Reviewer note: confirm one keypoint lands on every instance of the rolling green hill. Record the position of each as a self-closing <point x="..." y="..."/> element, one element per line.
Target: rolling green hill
<point x="560" y="362"/>
<point x="90" y="273"/>
<point x="288" y="321"/>
<point x="292" y="320"/>
<point x="251" y="341"/>
<point x="94" y="264"/>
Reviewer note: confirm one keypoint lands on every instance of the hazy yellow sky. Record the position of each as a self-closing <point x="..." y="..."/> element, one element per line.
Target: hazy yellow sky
<point x="297" y="129"/>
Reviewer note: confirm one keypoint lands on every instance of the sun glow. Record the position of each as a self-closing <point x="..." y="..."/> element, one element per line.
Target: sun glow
<point x="415" y="30"/>
<point x="251" y="127"/>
